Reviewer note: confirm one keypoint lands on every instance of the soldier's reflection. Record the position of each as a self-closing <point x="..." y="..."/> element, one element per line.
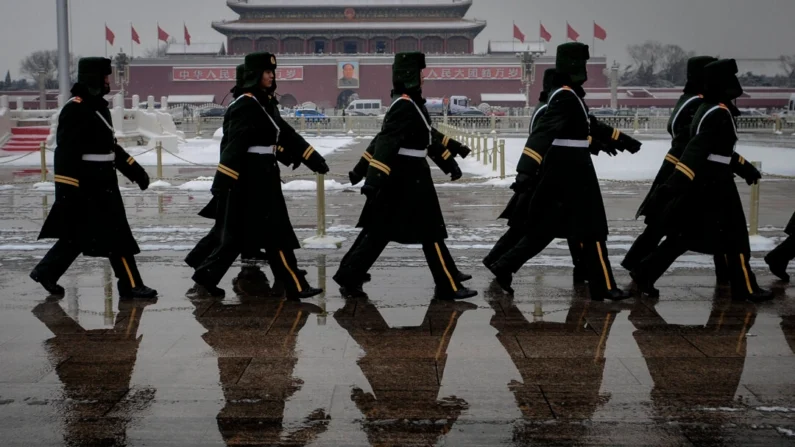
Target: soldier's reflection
<point x="566" y="359"/>
<point x="404" y="367"/>
<point x="95" y="367"/>
<point x="255" y="340"/>
<point x="688" y="385"/>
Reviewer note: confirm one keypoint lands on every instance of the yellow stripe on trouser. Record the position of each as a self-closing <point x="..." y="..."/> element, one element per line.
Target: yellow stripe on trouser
<point x="745" y="272"/>
<point x="129" y="273"/>
<point x="444" y="336"/>
<point x="295" y="278"/>
<point x="604" y="266"/>
<point x="132" y="321"/>
<point x="444" y="267"/>
<point x="603" y="337"/>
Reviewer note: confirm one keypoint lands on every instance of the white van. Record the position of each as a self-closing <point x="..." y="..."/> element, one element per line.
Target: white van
<point x="364" y="107"/>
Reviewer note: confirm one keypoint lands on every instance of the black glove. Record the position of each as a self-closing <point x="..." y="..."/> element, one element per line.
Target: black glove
<point x="323" y="168"/>
<point x="609" y="150"/>
<point x="369" y="191"/>
<point x="354" y="177"/>
<point x="464" y="151"/>
<point x="524" y="181"/>
<point x="455" y="173"/>
<point x="627" y="143"/>
<point x="753" y="175"/>
<point x="143" y="182"/>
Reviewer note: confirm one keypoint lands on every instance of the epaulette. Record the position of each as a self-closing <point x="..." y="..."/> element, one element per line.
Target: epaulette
<point x="77" y="99"/>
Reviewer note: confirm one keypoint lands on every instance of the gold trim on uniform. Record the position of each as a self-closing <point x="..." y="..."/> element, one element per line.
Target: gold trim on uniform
<point x="130" y="161"/>
<point x="67" y="180"/>
<point x="367" y="156"/>
<point x="129" y="273"/>
<point x="444" y="267"/>
<point x="671" y="159"/>
<point x="308" y="152"/>
<point x="533" y="154"/>
<point x="230" y="172"/>
<point x="380" y="166"/>
<point x="745" y="272"/>
<point x="604" y="266"/>
<point x="741" y="159"/>
<point x="287" y="266"/>
<point x="686" y="171"/>
<point x="77" y="99"/>
<point x="616" y="134"/>
<point x="446" y="154"/>
<point x="445" y="140"/>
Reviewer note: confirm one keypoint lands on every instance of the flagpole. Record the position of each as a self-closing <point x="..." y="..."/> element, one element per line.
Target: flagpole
<point x="593" y="39"/>
<point x="513" y="38"/>
<point x="132" y="48"/>
<point x="106" y="39"/>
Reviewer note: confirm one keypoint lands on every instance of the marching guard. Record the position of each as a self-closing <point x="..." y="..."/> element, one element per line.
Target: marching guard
<point x="566" y="201"/>
<point x="402" y="205"/>
<point x="251" y="212"/>
<point x="699" y="205"/>
<point x="88" y="215"/>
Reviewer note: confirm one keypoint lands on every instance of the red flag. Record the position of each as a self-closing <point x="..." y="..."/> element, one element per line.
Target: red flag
<point x="109" y="36"/>
<point x="162" y="35"/>
<point x="570" y="33"/>
<point x="135" y="37"/>
<point x="599" y="32"/>
<point x="517" y="34"/>
<point x="187" y="35"/>
<point x="545" y="34"/>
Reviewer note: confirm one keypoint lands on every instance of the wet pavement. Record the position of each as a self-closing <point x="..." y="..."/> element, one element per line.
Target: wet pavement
<point x="548" y="367"/>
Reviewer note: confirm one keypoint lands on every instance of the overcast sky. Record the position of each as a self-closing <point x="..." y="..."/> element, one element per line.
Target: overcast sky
<point x="730" y="28"/>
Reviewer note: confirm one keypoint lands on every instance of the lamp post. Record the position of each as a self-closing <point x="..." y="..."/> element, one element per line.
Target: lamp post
<point x="527" y="59"/>
<point x="62" y="13"/>
<point x="121" y="73"/>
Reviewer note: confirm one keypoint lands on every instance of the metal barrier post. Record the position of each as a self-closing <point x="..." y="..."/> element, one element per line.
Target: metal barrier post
<point x="485" y="150"/>
<point x="493" y="124"/>
<point x="636" y="124"/>
<point x="502" y="159"/>
<point x="303" y="124"/>
<point x="43" y="150"/>
<point x="321" y="205"/>
<point x="159" y="149"/>
<point x="477" y="146"/>
<point x="494" y="154"/>
<point x="754" y="224"/>
<point x="199" y="127"/>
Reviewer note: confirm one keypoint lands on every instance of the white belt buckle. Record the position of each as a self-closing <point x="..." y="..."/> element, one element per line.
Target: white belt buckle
<point x="720" y="159"/>
<point x="417" y="153"/>
<point x="261" y="150"/>
<point x="99" y="157"/>
<point x="571" y="143"/>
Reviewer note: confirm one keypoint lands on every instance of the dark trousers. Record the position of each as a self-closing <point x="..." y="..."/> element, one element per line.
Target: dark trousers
<point x="65" y="252"/>
<point x="512" y="237"/>
<point x="649" y="240"/>
<point x="283" y="264"/>
<point x="361" y="257"/>
<point x="593" y="255"/>
<point x="442" y="246"/>
<point x="785" y="252"/>
<point x="742" y="279"/>
<point x="205" y="248"/>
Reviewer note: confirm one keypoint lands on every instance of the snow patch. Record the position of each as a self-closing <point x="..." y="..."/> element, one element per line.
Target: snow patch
<point x="159" y="184"/>
<point x="198" y="184"/>
<point x="44" y="186"/>
<point x="786" y="432"/>
<point x="325" y="242"/>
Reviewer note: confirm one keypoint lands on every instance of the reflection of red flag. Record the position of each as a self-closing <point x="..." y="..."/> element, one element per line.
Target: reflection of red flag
<point x="135" y="37"/>
<point x="599" y="32"/>
<point x="570" y="33"/>
<point x="545" y="34"/>
<point x="187" y="34"/>
<point x="162" y="35"/>
<point x="517" y="34"/>
<point x="109" y="36"/>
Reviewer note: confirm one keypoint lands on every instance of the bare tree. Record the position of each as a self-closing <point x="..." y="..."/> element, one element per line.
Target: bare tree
<point x="159" y="51"/>
<point x="658" y="65"/>
<point x="788" y="64"/>
<point x="46" y="61"/>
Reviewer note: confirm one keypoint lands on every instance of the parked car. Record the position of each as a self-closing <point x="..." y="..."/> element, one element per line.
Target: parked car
<point x="364" y="107"/>
<point x="312" y="116"/>
<point x="605" y="111"/>
<point x="217" y="112"/>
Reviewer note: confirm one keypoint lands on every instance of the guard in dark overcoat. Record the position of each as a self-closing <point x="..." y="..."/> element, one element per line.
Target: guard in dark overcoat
<point x="700" y="207"/>
<point x="781" y="256"/>
<point x="402" y="205"/>
<point x="251" y="211"/>
<point x="566" y="201"/>
<point x="88" y="215"/>
<point x="679" y="129"/>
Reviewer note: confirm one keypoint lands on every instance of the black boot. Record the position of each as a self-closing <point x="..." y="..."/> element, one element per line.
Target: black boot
<point x="304" y="294"/>
<point x="778" y="267"/>
<point x="644" y="287"/>
<point x="503" y="279"/>
<point x="612" y="295"/>
<point x="462" y="277"/>
<point x="367" y="277"/>
<point x="50" y="286"/>
<point x="137" y="293"/>
<point x="208" y="291"/>
<point x="759" y="296"/>
<point x="353" y="291"/>
<point x="448" y="295"/>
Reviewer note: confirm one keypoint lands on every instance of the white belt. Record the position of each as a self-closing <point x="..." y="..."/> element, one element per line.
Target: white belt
<point x="262" y="150"/>
<point x="720" y="159"/>
<point x="99" y="157"/>
<point x="571" y="143"/>
<point x="418" y="153"/>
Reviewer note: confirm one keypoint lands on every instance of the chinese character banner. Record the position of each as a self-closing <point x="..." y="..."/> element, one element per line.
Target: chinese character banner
<point x="480" y="73"/>
<point x="227" y="74"/>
